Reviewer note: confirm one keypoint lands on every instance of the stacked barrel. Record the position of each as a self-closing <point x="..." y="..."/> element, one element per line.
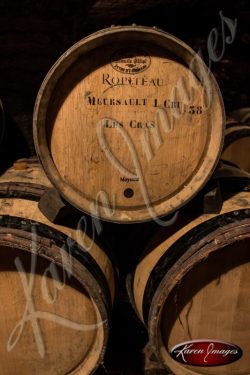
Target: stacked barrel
<point x="129" y="124"/>
<point x="57" y="285"/>
<point x="237" y="139"/>
<point x="128" y="127"/>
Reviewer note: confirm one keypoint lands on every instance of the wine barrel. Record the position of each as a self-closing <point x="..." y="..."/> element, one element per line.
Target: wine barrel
<point x="57" y="285"/>
<point x="128" y="124"/>
<point x="193" y="282"/>
<point x="237" y="145"/>
<point x="241" y="115"/>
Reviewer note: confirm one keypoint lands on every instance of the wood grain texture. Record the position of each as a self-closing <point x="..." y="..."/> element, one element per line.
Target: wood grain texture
<point x="172" y="234"/>
<point x="71" y="292"/>
<point x="33" y="34"/>
<point x="131" y="135"/>
<point x="211" y="302"/>
<point x="195" y="284"/>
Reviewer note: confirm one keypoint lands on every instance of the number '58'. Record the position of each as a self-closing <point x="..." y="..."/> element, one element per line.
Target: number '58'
<point x="195" y="110"/>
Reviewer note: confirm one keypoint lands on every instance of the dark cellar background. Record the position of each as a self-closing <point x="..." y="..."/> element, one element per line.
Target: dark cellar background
<point x="34" y="33"/>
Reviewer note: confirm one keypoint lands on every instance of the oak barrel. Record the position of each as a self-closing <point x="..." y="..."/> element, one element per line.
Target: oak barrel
<point x="128" y="124"/>
<point x="193" y="283"/>
<point x="57" y="285"/>
<point x="241" y="115"/>
<point x="237" y="145"/>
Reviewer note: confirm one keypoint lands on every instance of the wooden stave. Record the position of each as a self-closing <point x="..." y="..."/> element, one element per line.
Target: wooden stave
<point x="39" y="123"/>
<point x="156" y="341"/>
<point x="23" y="188"/>
<point x="235" y="131"/>
<point x="149" y="307"/>
<point x="86" y="367"/>
<point x="97" y="279"/>
<point x="186" y="221"/>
